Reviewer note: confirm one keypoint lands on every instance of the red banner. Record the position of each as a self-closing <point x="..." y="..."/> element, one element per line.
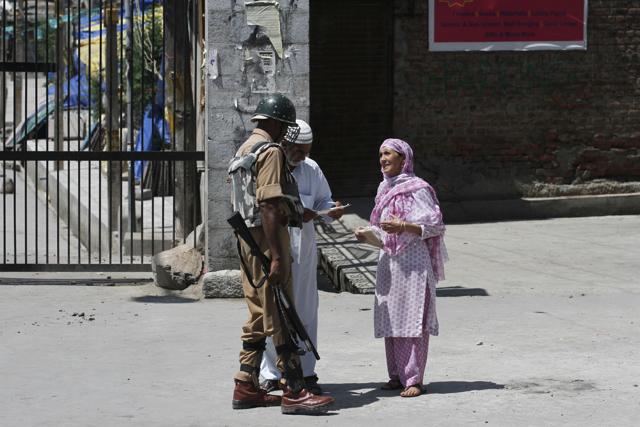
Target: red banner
<point x="518" y="23"/>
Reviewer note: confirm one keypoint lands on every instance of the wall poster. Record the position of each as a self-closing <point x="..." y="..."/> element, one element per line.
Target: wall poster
<point x="487" y="25"/>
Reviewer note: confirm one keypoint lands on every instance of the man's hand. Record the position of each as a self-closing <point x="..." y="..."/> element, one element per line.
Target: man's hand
<point x="308" y="215"/>
<point x="337" y="211"/>
<point x="275" y="273"/>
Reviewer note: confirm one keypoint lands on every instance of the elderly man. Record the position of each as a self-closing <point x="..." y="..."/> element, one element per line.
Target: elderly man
<point x="315" y="195"/>
<point x="267" y="196"/>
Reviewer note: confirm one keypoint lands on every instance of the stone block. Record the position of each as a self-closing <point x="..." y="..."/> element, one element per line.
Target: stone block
<point x="222" y="284"/>
<point x="230" y="58"/>
<point x="222" y="242"/>
<point x="300" y="92"/>
<point x="296" y="59"/>
<point x="225" y="26"/>
<point x="177" y="268"/>
<point x="222" y="92"/>
<point x="225" y="5"/>
<point x="220" y="152"/>
<point x="222" y="263"/>
<point x="222" y="197"/>
<point x="217" y="174"/>
<point x="295" y="28"/>
<point x="299" y="5"/>
<point x="219" y="210"/>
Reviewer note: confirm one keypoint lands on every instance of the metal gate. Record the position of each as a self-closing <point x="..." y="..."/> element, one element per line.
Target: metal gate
<point x="102" y="122"/>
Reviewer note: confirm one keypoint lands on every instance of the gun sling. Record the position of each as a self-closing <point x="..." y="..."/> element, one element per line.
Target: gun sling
<point x="286" y="310"/>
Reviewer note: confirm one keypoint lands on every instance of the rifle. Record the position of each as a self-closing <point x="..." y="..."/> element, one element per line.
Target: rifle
<point x="287" y="312"/>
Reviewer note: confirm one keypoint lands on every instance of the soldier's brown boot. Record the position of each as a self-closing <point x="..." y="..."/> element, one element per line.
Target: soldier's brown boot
<point x="304" y="403"/>
<point x="246" y="395"/>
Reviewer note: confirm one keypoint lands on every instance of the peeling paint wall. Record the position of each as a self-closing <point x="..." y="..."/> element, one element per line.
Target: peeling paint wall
<point x="502" y="125"/>
<point x="241" y="67"/>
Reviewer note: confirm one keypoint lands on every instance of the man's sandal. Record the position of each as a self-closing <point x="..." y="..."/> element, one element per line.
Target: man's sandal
<point x="412" y="391"/>
<point x="392" y="384"/>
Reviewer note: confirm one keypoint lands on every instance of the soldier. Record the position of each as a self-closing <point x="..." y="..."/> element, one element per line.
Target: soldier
<point x="265" y="193"/>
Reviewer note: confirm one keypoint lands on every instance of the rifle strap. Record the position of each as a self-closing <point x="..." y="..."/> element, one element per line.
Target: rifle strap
<point x="286" y="348"/>
<point x="247" y="272"/>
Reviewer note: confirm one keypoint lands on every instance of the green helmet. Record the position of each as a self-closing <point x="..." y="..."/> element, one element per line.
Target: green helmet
<point x="278" y="107"/>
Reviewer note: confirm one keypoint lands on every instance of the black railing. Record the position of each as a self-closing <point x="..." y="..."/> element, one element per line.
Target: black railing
<point x="100" y="156"/>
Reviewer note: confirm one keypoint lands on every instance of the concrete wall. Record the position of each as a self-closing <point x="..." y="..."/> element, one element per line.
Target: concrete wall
<point x="231" y="98"/>
<point x="505" y="124"/>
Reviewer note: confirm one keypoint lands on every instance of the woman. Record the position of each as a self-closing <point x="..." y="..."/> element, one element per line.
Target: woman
<point x="408" y="221"/>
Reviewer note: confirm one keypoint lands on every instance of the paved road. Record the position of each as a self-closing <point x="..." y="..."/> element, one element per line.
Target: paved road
<point x="555" y="342"/>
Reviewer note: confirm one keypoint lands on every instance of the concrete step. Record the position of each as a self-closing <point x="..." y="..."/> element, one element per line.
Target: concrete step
<point x="79" y="193"/>
<point x="349" y="265"/>
<point x="147" y="243"/>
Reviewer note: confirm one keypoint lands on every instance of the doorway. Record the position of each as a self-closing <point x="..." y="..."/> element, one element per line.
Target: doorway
<point x="351" y="85"/>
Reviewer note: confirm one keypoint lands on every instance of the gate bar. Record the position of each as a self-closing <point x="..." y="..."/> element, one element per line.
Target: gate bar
<point x="9" y="267"/>
<point x="172" y="156"/>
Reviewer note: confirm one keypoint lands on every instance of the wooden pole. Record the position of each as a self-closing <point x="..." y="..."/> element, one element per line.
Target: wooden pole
<point x="113" y="118"/>
<point x="180" y="99"/>
<point x="60" y="55"/>
<point x="129" y="113"/>
<point x="20" y="34"/>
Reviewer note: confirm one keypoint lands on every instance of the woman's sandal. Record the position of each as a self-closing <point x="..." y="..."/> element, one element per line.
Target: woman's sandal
<point x="412" y="391"/>
<point x="392" y="384"/>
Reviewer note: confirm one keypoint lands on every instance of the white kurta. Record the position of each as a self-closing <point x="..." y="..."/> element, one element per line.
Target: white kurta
<point x="315" y="195"/>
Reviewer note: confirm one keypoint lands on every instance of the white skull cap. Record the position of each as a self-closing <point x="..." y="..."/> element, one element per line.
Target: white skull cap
<point x="305" y="136"/>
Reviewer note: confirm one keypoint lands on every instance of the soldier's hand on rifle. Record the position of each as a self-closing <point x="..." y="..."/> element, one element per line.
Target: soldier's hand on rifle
<point x="275" y="273"/>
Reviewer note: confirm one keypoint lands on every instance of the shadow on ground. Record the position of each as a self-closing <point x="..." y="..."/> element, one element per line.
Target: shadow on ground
<point x="16" y="281"/>
<point x="447" y="387"/>
<point x="163" y="299"/>
<point x="357" y="395"/>
<point x="354" y="395"/>
<point x="461" y="291"/>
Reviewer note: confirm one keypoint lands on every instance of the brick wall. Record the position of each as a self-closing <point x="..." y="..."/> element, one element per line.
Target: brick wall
<point x="491" y="125"/>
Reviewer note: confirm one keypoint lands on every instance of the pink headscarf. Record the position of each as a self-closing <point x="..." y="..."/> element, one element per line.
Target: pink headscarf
<point x="396" y="194"/>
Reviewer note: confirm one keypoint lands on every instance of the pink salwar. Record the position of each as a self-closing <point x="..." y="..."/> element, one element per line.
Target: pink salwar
<point x="407" y="357"/>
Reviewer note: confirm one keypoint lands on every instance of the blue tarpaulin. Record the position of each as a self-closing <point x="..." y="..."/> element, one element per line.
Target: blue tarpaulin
<point x="75" y="90"/>
<point x="154" y="128"/>
<point x="152" y="135"/>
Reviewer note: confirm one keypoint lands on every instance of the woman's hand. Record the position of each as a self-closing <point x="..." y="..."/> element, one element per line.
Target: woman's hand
<point x="359" y="236"/>
<point x="397" y="226"/>
<point x="394" y="226"/>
